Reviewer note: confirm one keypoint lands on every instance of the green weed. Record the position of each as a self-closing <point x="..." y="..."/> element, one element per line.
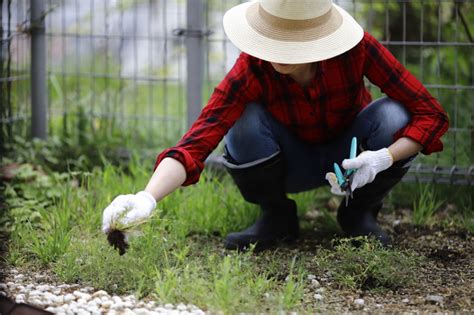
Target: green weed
<point x="361" y="263"/>
<point x="425" y="206"/>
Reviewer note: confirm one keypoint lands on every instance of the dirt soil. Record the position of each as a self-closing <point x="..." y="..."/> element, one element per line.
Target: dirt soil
<point x="444" y="283"/>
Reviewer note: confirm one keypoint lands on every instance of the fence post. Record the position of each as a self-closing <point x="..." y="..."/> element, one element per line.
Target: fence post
<point x="195" y="58"/>
<point x="39" y="98"/>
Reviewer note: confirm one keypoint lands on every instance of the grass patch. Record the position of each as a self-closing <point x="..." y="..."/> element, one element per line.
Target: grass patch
<point x="55" y="221"/>
<point x="362" y="263"/>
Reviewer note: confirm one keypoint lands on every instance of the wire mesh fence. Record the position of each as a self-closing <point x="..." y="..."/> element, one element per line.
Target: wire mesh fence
<point x="125" y="69"/>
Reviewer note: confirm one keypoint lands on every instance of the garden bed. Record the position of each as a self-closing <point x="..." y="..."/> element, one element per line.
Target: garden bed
<point x="179" y="258"/>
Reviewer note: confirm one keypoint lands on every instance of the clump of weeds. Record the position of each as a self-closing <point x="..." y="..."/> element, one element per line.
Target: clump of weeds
<point x="363" y="263"/>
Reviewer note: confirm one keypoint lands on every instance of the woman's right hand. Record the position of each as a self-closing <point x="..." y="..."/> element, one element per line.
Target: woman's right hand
<point x="128" y="209"/>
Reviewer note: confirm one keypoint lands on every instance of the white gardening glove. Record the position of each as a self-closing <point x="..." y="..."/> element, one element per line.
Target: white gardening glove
<point x="368" y="165"/>
<point x="138" y="207"/>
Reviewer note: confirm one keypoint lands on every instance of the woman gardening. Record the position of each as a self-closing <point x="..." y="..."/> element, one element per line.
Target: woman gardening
<point x="288" y="110"/>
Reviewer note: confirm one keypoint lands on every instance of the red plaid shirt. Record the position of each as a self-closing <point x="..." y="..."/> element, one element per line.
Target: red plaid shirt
<point x="318" y="113"/>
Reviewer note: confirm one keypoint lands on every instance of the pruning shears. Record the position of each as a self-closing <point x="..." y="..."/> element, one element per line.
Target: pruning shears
<point x="345" y="179"/>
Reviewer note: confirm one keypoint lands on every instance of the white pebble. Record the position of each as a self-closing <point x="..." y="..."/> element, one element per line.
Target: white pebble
<point x="320" y="290"/>
<point x="169" y="306"/>
<point x="107" y="304"/>
<point x="35" y="293"/>
<point x="20" y="298"/>
<point x="116" y="299"/>
<point x="318" y="297"/>
<point x="81" y="301"/>
<point x="315" y="283"/>
<point x="43" y="287"/>
<point x="99" y="293"/>
<point x="11" y="284"/>
<point x="69" y="298"/>
<point x="311" y="277"/>
<point x="18" y="276"/>
<point x="181" y="307"/>
<point x="405" y="300"/>
<point x="117" y="306"/>
<point x="359" y="302"/>
<point x="3" y="286"/>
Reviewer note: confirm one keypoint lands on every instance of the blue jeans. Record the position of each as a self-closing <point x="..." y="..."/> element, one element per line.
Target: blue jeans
<point x="257" y="136"/>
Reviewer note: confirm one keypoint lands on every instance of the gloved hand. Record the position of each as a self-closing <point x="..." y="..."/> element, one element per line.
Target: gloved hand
<point x="368" y="165"/>
<point x="138" y="207"/>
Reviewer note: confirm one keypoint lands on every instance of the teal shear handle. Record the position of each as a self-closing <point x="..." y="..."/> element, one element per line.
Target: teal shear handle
<point x="344" y="179"/>
<point x="352" y="155"/>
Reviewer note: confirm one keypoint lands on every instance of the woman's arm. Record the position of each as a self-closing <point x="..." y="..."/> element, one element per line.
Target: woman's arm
<point x="404" y="148"/>
<point x="168" y="176"/>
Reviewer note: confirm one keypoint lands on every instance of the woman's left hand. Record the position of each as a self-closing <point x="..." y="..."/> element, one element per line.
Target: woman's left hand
<point x="368" y="165"/>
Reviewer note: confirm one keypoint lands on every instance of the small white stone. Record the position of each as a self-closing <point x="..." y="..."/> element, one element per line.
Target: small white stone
<point x="37" y="302"/>
<point x="34" y="293"/>
<point x="434" y="299"/>
<point x="128" y="311"/>
<point x="318" y="297"/>
<point x="18" y="276"/>
<point x="315" y="283"/>
<point x="320" y="290"/>
<point x="87" y="289"/>
<point x="21" y="288"/>
<point x="405" y="300"/>
<point x="43" y="287"/>
<point x="141" y="311"/>
<point x="81" y="301"/>
<point x="3" y="286"/>
<point x="378" y="305"/>
<point x="116" y="299"/>
<point x="181" y="307"/>
<point x="69" y="298"/>
<point x="56" y="291"/>
<point x="169" y="306"/>
<point x="107" y="304"/>
<point x="20" y="298"/>
<point x="117" y="306"/>
<point x="359" y="302"/>
<point x="311" y="277"/>
<point x="30" y="286"/>
<point x="99" y="293"/>
<point x="51" y="309"/>
<point x="11" y="284"/>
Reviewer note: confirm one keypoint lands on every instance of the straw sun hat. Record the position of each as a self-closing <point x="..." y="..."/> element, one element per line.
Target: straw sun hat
<point x="292" y="31"/>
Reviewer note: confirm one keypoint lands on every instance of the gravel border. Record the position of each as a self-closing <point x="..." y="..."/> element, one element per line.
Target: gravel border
<point x="65" y="299"/>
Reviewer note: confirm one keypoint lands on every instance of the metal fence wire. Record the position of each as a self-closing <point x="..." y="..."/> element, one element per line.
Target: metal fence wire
<point x="142" y="69"/>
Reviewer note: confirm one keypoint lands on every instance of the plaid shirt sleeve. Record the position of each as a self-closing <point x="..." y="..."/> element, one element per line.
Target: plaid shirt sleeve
<point x="224" y="107"/>
<point x="429" y="121"/>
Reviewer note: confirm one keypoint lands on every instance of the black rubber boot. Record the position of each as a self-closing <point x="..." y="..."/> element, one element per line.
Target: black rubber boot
<point x="264" y="184"/>
<point x="359" y="218"/>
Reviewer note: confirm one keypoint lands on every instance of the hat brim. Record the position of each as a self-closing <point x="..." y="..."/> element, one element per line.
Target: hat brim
<point x="248" y="40"/>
